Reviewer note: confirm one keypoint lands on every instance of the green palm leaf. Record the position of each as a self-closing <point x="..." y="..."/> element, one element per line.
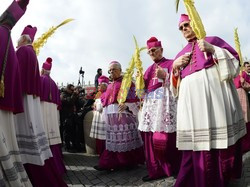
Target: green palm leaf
<point x="177" y="4"/>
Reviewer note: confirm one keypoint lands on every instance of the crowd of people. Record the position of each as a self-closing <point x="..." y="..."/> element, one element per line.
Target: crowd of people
<point x="74" y="107"/>
<point x="192" y="122"/>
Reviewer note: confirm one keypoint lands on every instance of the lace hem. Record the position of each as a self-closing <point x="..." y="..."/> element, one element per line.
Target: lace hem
<point x="167" y="129"/>
<point x="123" y="137"/>
<point x="123" y="147"/>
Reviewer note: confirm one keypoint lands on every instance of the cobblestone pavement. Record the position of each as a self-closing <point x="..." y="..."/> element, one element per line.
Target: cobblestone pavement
<point x="80" y="172"/>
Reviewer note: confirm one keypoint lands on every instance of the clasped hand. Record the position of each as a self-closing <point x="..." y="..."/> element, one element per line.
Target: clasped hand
<point x="122" y="107"/>
<point x="204" y="46"/>
<point x="181" y="61"/>
<point x="160" y="73"/>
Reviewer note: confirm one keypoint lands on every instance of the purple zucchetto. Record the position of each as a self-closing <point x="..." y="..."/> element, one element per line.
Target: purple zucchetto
<point x="103" y="79"/>
<point x="184" y="17"/>
<point x="31" y="31"/>
<point x="153" y="42"/>
<point x="47" y="64"/>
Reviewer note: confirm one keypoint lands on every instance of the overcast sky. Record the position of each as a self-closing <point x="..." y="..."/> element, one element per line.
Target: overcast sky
<point x="103" y="30"/>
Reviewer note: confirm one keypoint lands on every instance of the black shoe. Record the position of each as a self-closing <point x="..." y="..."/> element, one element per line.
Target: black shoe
<point x="128" y="168"/>
<point x="99" y="168"/>
<point x="147" y="178"/>
<point x="71" y="150"/>
<point x="175" y="176"/>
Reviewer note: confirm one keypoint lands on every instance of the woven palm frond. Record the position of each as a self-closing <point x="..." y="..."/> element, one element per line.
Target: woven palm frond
<point x="237" y="46"/>
<point x="37" y="44"/>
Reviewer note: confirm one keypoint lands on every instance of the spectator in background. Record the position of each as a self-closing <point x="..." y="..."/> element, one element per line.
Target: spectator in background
<point x="68" y="99"/>
<point x="79" y="144"/>
<point x="99" y="73"/>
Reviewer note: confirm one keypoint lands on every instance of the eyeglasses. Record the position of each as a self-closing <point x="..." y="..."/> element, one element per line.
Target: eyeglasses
<point x="153" y="50"/>
<point x="184" y="25"/>
<point x="114" y="69"/>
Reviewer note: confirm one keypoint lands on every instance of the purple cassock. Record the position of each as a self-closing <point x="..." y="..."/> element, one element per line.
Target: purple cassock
<point x="111" y="94"/>
<point x="151" y="83"/>
<point x="9" y="69"/>
<point x="39" y="163"/>
<point x="216" y="166"/>
<point x="29" y="70"/>
<point x="123" y="140"/>
<point x="49" y="91"/>
<point x="198" y="61"/>
<point x="158" y="127"/>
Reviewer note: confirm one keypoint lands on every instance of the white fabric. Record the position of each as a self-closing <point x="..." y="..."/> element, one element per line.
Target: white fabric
<point x="113" y="108"/>
<point x="98" y="105"/>
<point x="51" y="121"/>
<point x="98" y="127"/>
<point x="158" y="111"/>
<point x="228" y="65"/>
<point x="12" y="172"/>
<point x="209" y="114"/>
<point x="31" y="137"/>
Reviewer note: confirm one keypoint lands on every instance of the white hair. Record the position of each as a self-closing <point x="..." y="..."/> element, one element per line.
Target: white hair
<point x="25" y="39"/>
<point x="115" y="63"/>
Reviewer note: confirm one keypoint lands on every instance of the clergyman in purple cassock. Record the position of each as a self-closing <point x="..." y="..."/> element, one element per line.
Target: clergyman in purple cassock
<point x="158" y="117"/>
<point x="12" y="172"/>
<point x="98" y="127"/>
<point x="51" y="103"/>
<point x="123" y="140"/>
<point x="31" y="137"/>
<point x="210" y="122"/>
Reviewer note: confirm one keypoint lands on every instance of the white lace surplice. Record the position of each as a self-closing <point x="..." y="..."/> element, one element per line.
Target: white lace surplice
<point x="158" y="112"/>
<point x="122" y="134"/>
